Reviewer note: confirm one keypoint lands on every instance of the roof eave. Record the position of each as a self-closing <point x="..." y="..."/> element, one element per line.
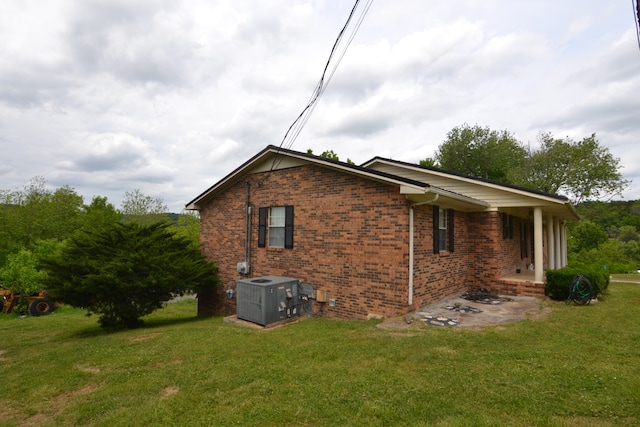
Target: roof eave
<point x="408" y="185"/>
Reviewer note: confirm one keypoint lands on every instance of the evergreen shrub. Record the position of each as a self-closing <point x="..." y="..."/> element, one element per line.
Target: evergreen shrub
<point x="559" y="281"/>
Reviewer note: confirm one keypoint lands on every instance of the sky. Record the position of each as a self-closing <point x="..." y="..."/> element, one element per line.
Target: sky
<point x="168" y="97"/>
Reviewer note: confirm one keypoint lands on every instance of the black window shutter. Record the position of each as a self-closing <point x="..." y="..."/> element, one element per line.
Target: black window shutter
<point x="450" y="230"/>
<point x="262" y="227"/>
<point x="288" y="227"/>
<point x="436" y="229"/>
<point x="511" y="225"/>
<point x="505" y="227"/>
<point x="524" y="251"/>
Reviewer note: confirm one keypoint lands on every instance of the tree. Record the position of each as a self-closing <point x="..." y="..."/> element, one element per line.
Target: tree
<point x="330" y="154"/>
<point x="628" y="233"/>
<point x="631" y="249"/>
<point x="430" y="163"/>
<point x="582" y="170"/>
<point x="586" y="235"/>
<point x="143" y="209"/>
<point x="610" y="256"/>
<point x="100" y="214"/>
<point x="188" y="226"/>
<point x="8" y="216"/>
<point x="480" y="152"/>
<point x="63" y="212"/>
<point x="37" y="213"/>
<point x="30" y="223"/>
<point x="126" y="271"/>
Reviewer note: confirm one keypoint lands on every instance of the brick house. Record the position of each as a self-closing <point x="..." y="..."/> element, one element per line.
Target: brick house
<point x="383" y="238"/>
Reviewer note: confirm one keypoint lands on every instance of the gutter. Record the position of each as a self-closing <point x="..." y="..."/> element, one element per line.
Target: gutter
<point x="411" y="250"/>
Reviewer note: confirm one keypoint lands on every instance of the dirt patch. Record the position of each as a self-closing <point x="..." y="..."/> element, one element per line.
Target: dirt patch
<point x="89" y="369"/>
<point x="169" y="391"/>
<point x="144" y="337"/>
<point x="57" y="405"/>
<point x="461" y="313"/>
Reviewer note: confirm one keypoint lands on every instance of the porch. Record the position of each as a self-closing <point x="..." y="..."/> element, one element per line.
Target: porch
<point x="523" y="284"/>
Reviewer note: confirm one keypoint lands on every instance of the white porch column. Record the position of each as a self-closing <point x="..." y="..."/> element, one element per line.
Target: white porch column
<point x="565" y="260"/>
<point x="558" y="244"/>
<point x="551" y="242"/>
<point x="538" y="257"/>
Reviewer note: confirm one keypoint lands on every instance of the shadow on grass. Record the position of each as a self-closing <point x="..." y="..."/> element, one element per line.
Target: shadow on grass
<point x="147" y="324"/>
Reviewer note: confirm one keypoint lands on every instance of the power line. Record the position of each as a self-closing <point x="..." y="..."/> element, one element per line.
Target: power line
<point x="322" y="88"/>
<point x="296" y="127"/>
<point x="636" y="18"/>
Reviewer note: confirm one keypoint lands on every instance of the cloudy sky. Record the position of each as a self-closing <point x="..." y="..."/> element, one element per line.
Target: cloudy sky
<point x="109" y="96"/>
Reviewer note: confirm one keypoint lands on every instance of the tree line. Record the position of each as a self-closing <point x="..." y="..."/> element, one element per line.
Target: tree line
<point x="581" y="170"/>
<point x="119" y="263"/>
<point x="607" y="237"/>
<point x="36" y="213"/>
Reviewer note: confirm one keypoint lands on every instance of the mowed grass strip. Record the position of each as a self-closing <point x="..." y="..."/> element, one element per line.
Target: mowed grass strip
<point x="576" y="366"/>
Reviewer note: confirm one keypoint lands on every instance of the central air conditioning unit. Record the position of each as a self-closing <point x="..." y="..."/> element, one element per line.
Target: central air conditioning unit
<point x="267" y="299"/>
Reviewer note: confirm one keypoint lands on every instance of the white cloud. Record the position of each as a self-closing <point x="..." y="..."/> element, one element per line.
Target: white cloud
<point x="170" y="96"/>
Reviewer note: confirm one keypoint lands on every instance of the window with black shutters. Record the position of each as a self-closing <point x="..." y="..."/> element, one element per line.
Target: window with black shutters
<point x="275" y="227"/>
<point x="443" y="221"/>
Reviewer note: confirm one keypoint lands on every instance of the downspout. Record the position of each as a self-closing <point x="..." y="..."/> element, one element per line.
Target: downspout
<point x="247" y="240"/>
<point x="411" y="256"/>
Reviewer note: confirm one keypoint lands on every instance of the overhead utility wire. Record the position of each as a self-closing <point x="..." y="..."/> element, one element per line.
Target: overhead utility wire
<point x="296" y="127"/>
<point x="636" y="18"/>
<point x="306" y="117"/>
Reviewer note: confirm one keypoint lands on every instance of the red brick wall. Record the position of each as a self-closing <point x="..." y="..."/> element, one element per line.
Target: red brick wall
<point x="438" y="275"/>
<point x="351" y="238"/>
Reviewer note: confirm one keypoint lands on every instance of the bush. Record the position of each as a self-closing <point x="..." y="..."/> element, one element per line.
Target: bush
<point x="559" y="281"/>
<point x="125" y="271"/>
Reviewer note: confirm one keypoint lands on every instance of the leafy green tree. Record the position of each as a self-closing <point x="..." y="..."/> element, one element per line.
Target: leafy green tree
<point x="31" y="220"/>
<point x="188" y="227"/>
<point x="143" y="209"/>
<point x="430" y="163"/>
<point x="607" y="214"/>
<point x="582" y="170"/>
<point x="126" y="271"/>
<point x="63" y="213"/>
<point x="586" y="235"/>
<point x="330" y="154"/>
<point x="631" y="249"/>
<point x="9" y="243"/>
<point x="100" y="214"/>
<point x="480" y="152"/>
<point x="628" y="233"/>
<point x="37" y="213"/>
<point x="608" y="256"/>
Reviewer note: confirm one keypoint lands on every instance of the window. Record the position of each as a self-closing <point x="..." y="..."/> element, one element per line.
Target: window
<point x="442" y="229"/>
<point x="275" y="227"/>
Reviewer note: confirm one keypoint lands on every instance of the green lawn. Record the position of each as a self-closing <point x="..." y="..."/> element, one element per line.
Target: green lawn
<point x="578" y="366"/>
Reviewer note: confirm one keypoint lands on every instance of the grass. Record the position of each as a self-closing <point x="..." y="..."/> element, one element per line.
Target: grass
<point x="577" y="366"/>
